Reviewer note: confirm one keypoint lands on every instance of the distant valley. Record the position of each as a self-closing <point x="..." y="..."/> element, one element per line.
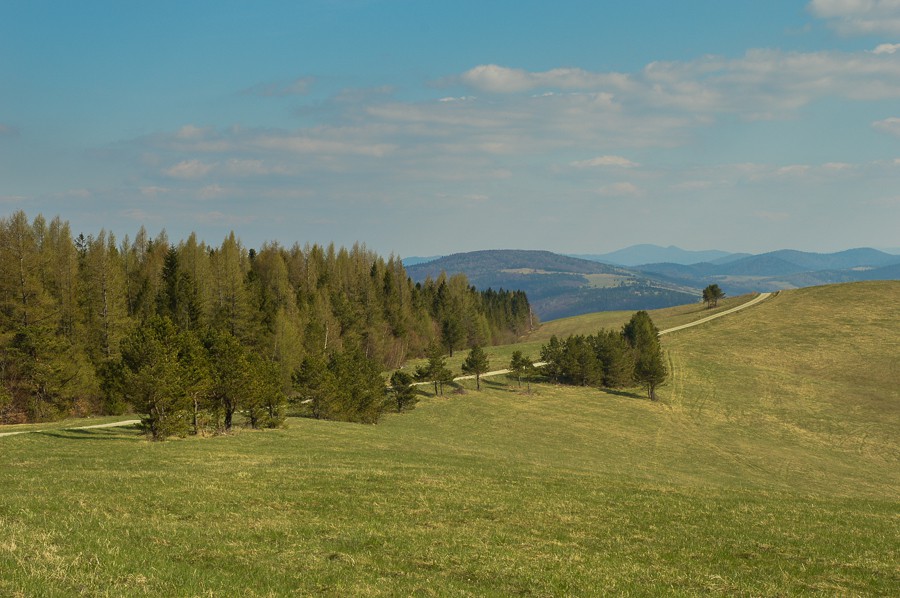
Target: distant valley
<point x="650" y="276"/>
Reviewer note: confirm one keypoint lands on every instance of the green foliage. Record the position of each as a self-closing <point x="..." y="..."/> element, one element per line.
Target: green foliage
<point x="66" y="306"/>
<point x="711" y="295"/>
<point x="609" y="359"/>
<point x="314" y="386"/>
<point x="435" y="370"/>
<point x="476" y="363"/>
<point x="231" y="375"/>
<point x="154" y="378"/>
<point x="403" y="389"/>
<point x="615" y="357"/>
<point x="520" y="365"/>
<point x="649" y="365"/>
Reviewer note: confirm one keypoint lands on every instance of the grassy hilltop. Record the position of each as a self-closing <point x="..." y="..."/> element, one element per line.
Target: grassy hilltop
<point x="771" y="466"/>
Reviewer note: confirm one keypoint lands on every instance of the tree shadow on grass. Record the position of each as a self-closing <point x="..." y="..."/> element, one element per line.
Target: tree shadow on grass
<point x="628" y="394"/>
<point x="93" y="434"/>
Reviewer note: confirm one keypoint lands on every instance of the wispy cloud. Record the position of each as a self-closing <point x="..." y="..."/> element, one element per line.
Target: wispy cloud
<point x="624" y="189"/>
<point x="761" y="84"/>
<point x="280" y="89"/>
<point x="602" y="161"/>
<point x="889" y="125"/>
<point x="886" y="49"/>
<point x="189" y="169"/>
<point x="859" y="17"/>
<point x="494" y="78"/>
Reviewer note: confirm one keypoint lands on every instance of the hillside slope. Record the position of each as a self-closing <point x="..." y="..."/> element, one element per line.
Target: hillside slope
<point x="811" y="371"/>
<point x="769" y="468"/>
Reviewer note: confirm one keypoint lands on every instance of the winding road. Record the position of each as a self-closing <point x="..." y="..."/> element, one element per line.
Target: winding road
<point x="758" y="299"/>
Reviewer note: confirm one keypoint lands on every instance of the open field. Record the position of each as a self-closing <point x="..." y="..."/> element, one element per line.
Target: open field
<point x="770" y="467"/>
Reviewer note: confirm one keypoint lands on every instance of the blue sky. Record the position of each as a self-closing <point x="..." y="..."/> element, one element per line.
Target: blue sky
<point x="427" y="127"/>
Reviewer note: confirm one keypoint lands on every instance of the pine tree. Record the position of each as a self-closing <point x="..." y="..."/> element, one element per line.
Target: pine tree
<point x="403" y="389"/>
<point x="154" y="380"/>
<point x="476" y="363"/>
<point x="649" y="366"/>
<point x="520" y="365"/>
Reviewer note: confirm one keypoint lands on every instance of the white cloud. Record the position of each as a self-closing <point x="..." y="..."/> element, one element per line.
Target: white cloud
<point x="889" y="125"/>
<point x="192" y="132"/>
<point x="189" y="169"/>
<point x="859" y="17"/>
<point x="459" y="99"/>
<point x="493" y="78"/>
<point x="212" y="192"/>
<point x="12" y="199"/>
<point x="245" y="167"/>
<point x="619" y="190"/>
<point x="886" y="49"/>
<point x="793" y="170"/>
<point x="153" y="190"/>
<point x="760" y="84"/>
<point x="306" y="144"/>
<point x="599" y="161"/>
<point x="8" y="130"/>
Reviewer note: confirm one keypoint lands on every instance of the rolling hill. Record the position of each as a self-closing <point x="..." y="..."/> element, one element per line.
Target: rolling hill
<point x="557" y="285"/>
<point x="768" y="468"/>
<point x="648" y="254"/>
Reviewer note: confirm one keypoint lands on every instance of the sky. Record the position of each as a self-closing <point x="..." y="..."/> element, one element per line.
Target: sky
<point x="428" y="127"/>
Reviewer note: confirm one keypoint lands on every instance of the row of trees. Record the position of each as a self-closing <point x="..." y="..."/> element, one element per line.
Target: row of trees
<point x="610" y="359"/>
<point x="74" y="310"/>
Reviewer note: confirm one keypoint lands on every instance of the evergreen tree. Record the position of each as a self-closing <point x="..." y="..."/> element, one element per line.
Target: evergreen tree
<point x="230" y="374"/>
<point x="552" y="356"/>
<point x="520" y="365"/>
<point x="711" y="295"/>
<point x="579" y="364"/>
<point x="154" y="380"/>
<point x="435" y="370"/>
<point x="403" y="389"/>
<point x="103" y="298"/>
<point x="643" y="338"/>
<point x="615" y="357"/>
<point x="315" y="385"/>
<point x="476" y="362"/>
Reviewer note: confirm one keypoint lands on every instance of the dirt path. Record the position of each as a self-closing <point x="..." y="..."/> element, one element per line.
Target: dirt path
<point x="761" y="297"/>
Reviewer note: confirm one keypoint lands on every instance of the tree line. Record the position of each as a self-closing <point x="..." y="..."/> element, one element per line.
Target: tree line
<point x="190" y="334"/>
<point x="609" y="359"/>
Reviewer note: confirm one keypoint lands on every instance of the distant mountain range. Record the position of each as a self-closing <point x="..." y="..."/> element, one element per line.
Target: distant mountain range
<point x="776" y="270"/>
<point x="560" y="286"/>
<point x="651" y="254"/>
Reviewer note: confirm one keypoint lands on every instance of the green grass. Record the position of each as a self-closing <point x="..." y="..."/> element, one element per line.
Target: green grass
<point x="531" y="344"/>
<point x="770" y="467"/>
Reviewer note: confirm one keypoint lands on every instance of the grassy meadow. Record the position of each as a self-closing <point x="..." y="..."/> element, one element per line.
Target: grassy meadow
<point x="771" y="466"/>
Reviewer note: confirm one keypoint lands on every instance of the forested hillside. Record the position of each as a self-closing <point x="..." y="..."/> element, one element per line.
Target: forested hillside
<point x="75" y="311"/>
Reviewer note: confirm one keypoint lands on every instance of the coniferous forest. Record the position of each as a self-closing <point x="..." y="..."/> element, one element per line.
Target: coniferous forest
<point x="190" y="334"/>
